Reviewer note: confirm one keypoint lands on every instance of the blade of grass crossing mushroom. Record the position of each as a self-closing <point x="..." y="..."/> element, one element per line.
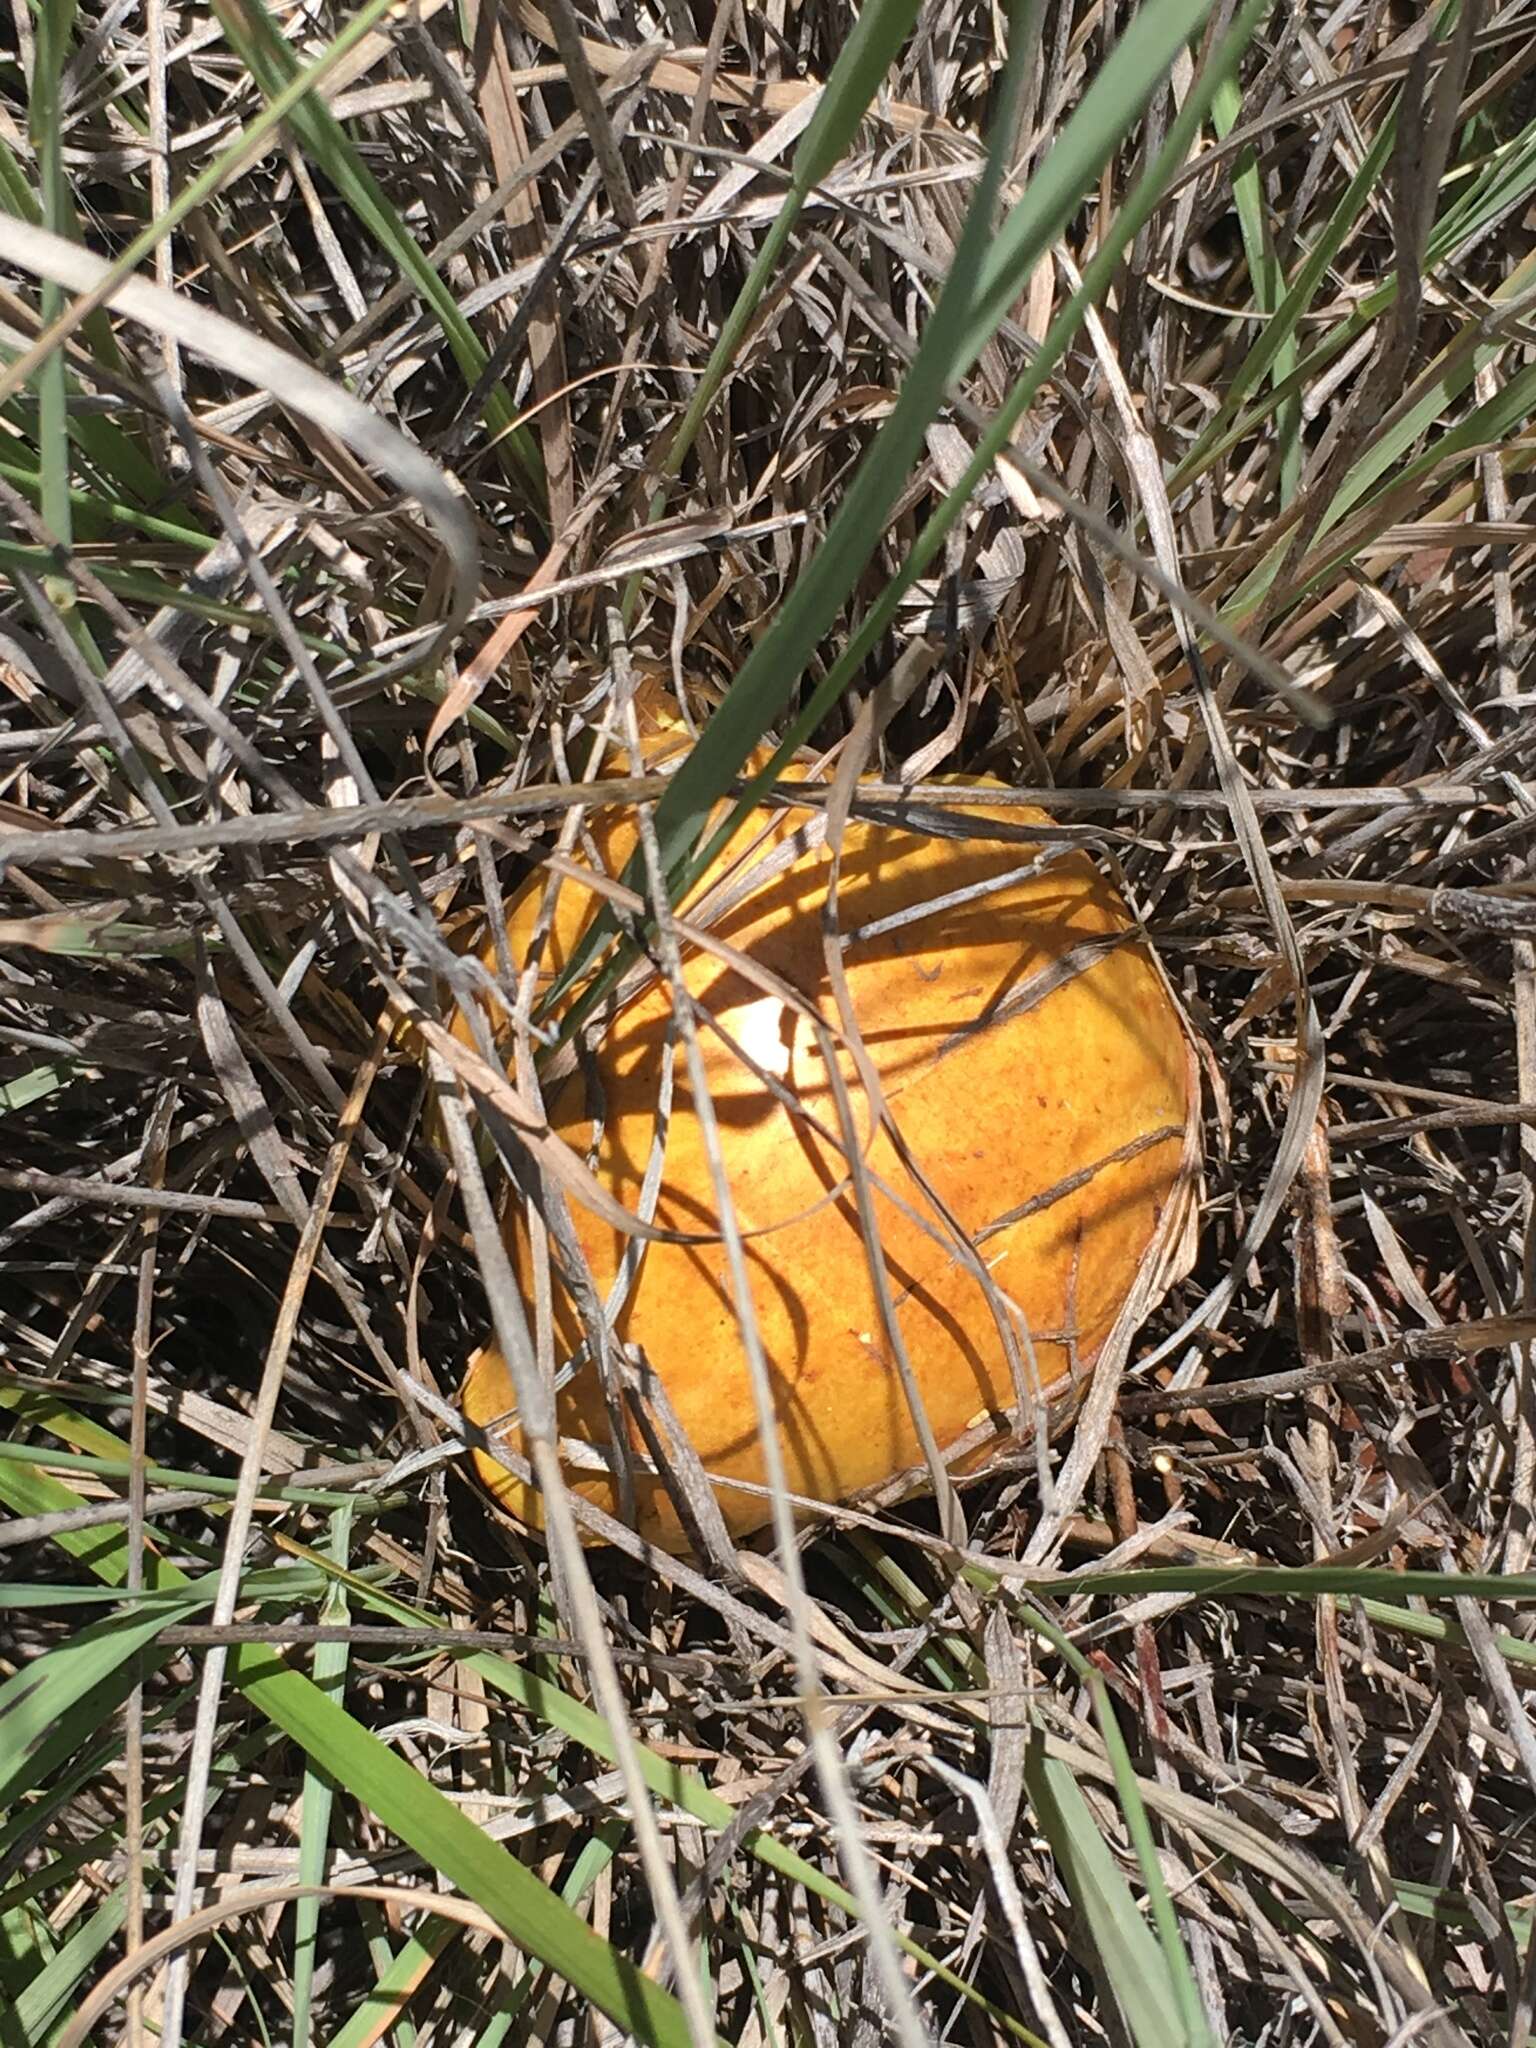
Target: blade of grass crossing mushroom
<point x="830" y="1768"/>
<point x="537" y="1418"/>
<point x="1096" y="1413"/>
<point x="994" y="443"/>
<point x="981" y="285"/>
<point x="1170" y="157"/>
<point x="665" y="841"/>
<point x="975" y="297"/>
<point x="876" y="711"/>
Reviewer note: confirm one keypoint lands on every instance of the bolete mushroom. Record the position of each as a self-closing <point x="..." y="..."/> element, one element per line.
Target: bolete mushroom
<point x="1032" y="1163"/>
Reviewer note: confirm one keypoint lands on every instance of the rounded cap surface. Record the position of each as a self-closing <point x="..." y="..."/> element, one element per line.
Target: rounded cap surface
<point x="1032" y="1173"/>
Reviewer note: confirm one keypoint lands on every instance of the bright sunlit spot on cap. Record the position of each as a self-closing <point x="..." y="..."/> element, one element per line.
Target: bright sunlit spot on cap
<point x="764" y="1031"/>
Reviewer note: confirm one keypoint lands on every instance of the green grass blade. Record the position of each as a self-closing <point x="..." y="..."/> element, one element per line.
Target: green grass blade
<point x="139" y="587"/>
<point x="766" y="680"/>
<point x="1174" y="1972"/>
<point x="1096" y="278"/>
<point x="556" y="1708"/>
<point x="414" y="1809"/>
<point x="46" y="2000"/>
<point x="395" y="1984"/>
<point x="107" y="511"/>
<point x="64" y="1863"/>
<point x="36" y="1085"/>
<point x="1267" y="284"/>
<point x="1496" y="189"/>
<point x="1278" y="334"/>
<point x="1130" y="1963"/>
<point x="594" y="1857"/>
<point x="55" y="23"/>
<point x="298" y="83"/>
<point x="17" y="197"/>
<point x="1294" y="1582"/>
<point x="330" y="1671"/>
<point x="57" y="1700"/>
<point x="1485" y="425"/>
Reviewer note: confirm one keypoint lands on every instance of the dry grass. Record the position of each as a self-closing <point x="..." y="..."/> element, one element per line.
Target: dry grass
<point x="230" y="1235"/>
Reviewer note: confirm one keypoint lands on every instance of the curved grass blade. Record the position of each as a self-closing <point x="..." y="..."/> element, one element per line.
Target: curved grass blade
<point x="256" y="361"/>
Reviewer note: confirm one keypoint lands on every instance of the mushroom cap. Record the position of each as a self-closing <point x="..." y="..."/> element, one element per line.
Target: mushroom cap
<point x="1041" y="1180"/>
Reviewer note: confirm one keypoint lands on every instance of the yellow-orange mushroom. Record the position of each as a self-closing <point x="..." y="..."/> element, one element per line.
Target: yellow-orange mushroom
<point x="1042" y="1084"/>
